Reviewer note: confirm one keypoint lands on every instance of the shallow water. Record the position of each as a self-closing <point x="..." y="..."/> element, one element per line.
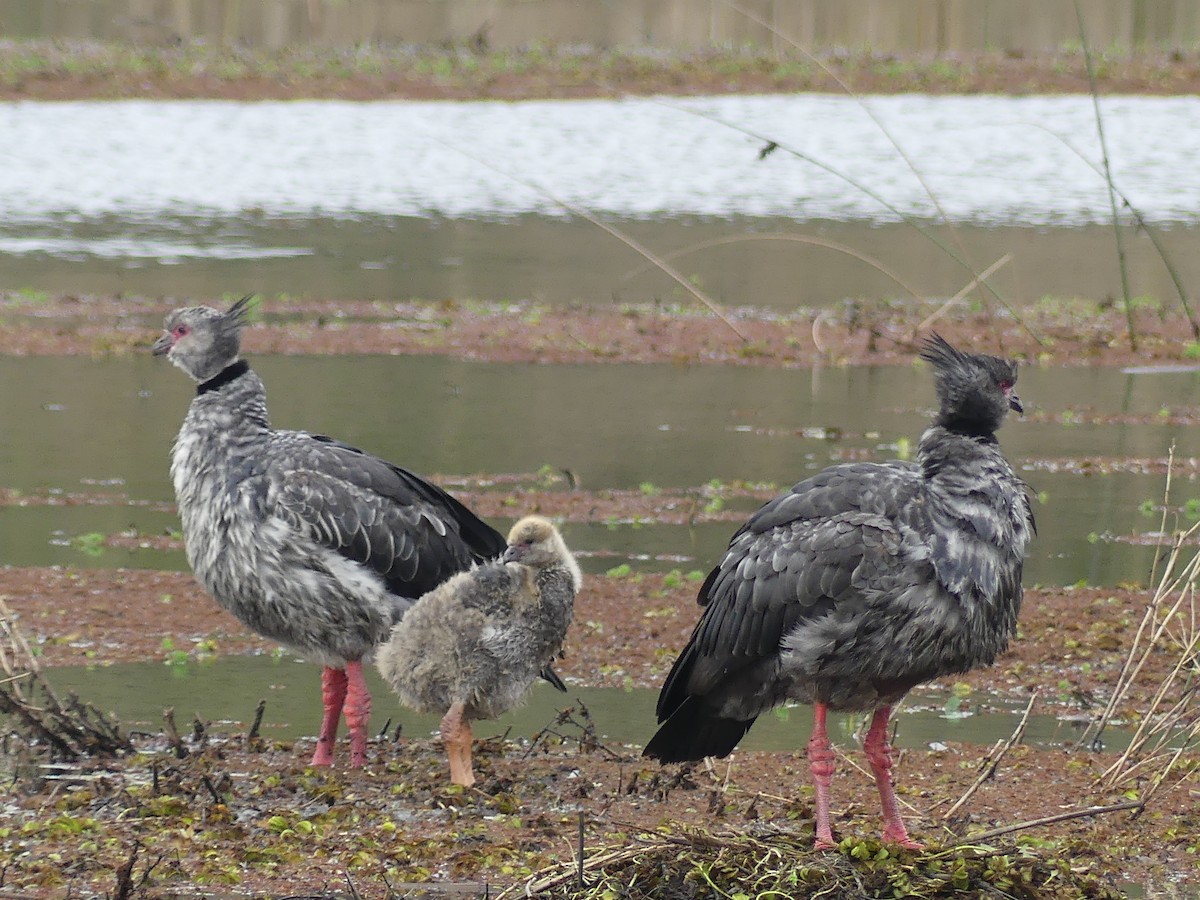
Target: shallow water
<point x="989" y="159"/>
<point x="738" y="260"/>
<point x="228" y="690"/>
<point x="101" y="427"/>
<point x="351" y="200"/>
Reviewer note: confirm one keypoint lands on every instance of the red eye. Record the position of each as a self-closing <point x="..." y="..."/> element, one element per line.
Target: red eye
<point x="1006" y="386"/>
<point x="180" y="330"/>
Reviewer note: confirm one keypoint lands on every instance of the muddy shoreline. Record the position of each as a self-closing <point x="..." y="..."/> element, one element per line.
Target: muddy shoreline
<point x="856" y="333"/>
<point x="48" y="70"/>
<point x="216" y="810"/>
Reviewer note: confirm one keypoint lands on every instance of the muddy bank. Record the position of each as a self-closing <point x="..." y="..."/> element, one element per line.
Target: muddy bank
<point x="1052" y="333"/>
<point x="253" y="816"/>
<point x="1072" y="643"/>
<point x="43" y="70"/>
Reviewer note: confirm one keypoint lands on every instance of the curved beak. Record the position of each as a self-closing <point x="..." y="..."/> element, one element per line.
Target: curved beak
<point x="162" y="346"/>
<point x="512" y="554"/>
<point x="1014" y="403"/>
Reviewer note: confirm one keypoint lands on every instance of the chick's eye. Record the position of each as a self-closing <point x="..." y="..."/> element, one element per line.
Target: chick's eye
<point x="180" y="330"/>
<point x="1006" y="386"/>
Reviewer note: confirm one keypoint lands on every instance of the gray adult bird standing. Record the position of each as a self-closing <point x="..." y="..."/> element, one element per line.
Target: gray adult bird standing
<point x="472" y="647"/>
<point x="307" y="541"/>
<point x="859" y="584"/>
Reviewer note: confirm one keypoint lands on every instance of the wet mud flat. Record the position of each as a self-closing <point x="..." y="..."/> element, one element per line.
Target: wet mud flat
<point x="60" y="70"/>
<point x="218" y="812"/>
<point x="1059" y="333"/>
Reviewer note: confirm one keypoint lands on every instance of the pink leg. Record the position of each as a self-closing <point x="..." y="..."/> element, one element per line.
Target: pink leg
<point x="358" y="712"/>
<point x="333" y="695"/>
<point x="820" y="763"/>
<point x="879" y="755"/>
<point x="456" y="736"/>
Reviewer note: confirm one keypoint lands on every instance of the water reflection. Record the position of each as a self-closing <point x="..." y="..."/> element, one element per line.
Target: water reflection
<point x="735" y="259"/>
<point x="228" y="690"/>
<point x="105" y="426"/>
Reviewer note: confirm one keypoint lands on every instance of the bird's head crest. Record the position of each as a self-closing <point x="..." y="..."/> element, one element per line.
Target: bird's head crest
<point x="975" y="390"/>
<point x="202" y="340"/>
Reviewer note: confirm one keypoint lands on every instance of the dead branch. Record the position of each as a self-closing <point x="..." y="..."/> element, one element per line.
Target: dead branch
<point x="1049" y="820"/>
<point x="172" y="733"/>
<point x="252" y="734"/>
<point x="68" y="729"/>
<point x="988" y="769"/>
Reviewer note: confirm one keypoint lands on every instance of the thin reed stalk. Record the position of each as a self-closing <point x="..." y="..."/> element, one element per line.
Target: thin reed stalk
<point x="1108" y="179"/>
<point x="782" y="236"/>
<point x="874" y="195"/>
<point x="1169" y="724"/>
<point x="1185" y="299"/>
<point x="962" y="257"/>
<point x="646" y="253"/>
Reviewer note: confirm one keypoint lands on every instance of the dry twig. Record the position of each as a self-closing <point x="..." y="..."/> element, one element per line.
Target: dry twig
<point x="69" y="729"/>
<point x="1170" y="724"/>
<point x="992" y="761"/>
<point x="1049" y="820"/>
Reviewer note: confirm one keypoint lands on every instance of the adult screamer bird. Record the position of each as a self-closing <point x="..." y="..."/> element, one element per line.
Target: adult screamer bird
<point x="859" y="584"/>
<point x="472" y="647"/>
<point x="309" y="542"/>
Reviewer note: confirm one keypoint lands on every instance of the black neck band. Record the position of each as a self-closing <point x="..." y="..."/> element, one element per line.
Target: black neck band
<point x="222" y="378"/>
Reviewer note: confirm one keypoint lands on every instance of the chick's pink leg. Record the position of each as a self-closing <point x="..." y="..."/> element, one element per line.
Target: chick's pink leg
<point x="879" y="755"/>
<point x="456" y="736"/>
<point x="333" y="695"/>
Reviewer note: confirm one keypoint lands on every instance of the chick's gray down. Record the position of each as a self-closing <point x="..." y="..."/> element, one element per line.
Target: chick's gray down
<point x="471" y="648"/>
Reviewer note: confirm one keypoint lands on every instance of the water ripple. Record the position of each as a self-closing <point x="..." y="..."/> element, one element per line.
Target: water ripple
<point x="990" y="160"/>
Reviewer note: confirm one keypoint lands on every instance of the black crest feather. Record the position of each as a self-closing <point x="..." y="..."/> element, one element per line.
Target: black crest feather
<point x="239" y="313"/>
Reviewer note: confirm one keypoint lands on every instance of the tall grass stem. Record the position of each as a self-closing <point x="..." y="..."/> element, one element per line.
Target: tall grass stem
<point x="1108" y="179"/>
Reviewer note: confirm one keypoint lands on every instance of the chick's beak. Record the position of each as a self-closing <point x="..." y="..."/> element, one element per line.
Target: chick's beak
<point x="1014" y="403"/>
<point x="512" y="554"/>
<point x="162" y="346"/>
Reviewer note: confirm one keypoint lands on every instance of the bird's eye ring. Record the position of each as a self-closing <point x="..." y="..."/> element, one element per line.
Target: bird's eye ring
<point x="180" y="330"/>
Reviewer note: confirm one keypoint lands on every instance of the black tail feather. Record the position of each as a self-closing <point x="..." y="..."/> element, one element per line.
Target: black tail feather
<point x="548" y="674"/>
<point x="691" y="733"/>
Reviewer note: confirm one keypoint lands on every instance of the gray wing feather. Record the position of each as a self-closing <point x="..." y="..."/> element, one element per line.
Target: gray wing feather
<point x="406" y="530"/>
<point x="797" y="558"/>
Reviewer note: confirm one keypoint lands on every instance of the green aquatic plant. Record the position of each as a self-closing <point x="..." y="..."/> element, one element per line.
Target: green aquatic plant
<point x="92" y="543"/>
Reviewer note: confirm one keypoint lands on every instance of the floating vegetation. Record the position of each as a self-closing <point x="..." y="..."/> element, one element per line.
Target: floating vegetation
<point x="766" y="862"/>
